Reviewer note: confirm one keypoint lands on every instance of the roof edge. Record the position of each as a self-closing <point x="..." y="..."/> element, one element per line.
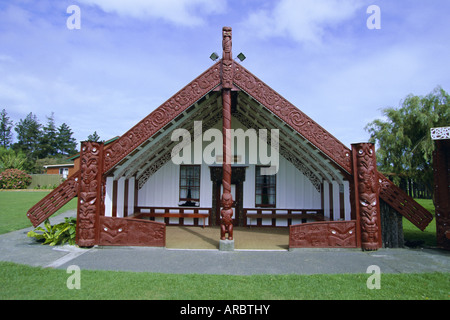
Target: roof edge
<point x="162" y="115"/>
<point x="295" y="118"/>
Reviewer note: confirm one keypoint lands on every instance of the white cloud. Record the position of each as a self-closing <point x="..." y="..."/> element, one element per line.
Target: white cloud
<point x="180" y="12"/>
<point x="303" y="21"/>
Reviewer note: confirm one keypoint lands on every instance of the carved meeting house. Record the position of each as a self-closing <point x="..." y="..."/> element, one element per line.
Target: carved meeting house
<point x="327" y="194"/>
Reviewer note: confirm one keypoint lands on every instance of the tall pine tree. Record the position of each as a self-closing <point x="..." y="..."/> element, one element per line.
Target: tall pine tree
<point x="28" y="136"/>
<point x="5" y="129"/>
<point x="48" y="139"/>
<point x="66" y="144"/>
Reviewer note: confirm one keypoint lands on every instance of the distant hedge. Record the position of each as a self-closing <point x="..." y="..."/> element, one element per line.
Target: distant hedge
<point x="14" y="179"/>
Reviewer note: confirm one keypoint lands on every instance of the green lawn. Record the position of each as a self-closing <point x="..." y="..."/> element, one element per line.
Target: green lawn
<point x="24" y="282"/>
<point x="428" y="236"/>
<point x="15" y="204"/>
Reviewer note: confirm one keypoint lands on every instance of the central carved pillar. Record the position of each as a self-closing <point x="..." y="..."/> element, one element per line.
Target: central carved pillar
<point x="226" y="223"/>
<point x="366" y="188"/>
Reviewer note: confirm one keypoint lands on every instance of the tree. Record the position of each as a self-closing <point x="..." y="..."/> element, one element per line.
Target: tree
<point x="404" y="145"/>
<point x="9" y="159"/>
<point x="93" y="137"/>
<point x="28" y="136"/>
<point x="47" y="141"/>
<point x="66" y="144"/>
<point x="5" y="129"/>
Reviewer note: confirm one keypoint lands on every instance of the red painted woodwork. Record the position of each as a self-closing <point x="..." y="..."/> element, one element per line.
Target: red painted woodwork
<point x="441" y="167"/>
<point x="90" y="196"/>
<point x="226" y="222"/>
<point x="332" y="234"/>
<point x="55" y="200"/>
<point x="366" y="189"/>
<point x="403" y="204"/>
<point x="295" y="118"/>
<point x="131" y="232"/>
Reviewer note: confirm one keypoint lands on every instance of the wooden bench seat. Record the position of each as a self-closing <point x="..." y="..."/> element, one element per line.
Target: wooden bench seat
<point x="168" y="214"/>
<point x="314" y="214"/>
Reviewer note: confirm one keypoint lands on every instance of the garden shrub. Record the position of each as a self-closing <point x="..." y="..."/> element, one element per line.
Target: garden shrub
<point x="14" y="179"/>
<point x="57" y="234"/>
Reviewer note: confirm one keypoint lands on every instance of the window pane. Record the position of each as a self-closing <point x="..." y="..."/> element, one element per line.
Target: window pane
<point x="195" y="193"/>
<point x="190" y="183"/>
<point x="265" y="189"/>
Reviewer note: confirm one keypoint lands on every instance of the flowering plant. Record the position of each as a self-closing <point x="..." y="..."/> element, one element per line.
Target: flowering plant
<point x="14" y="179"/>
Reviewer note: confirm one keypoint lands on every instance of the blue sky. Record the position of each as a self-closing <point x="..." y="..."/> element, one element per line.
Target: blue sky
<point x="129" y="57"/>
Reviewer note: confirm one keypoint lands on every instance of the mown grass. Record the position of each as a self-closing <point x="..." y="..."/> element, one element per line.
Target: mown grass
<point x="33" y="283"/>
<point x="15" y="204"/>
<point x="25" y="282"/>
<point x="412" y="233"/>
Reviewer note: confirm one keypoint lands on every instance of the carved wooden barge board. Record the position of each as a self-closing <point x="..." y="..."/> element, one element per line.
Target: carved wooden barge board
<point x="292" y="116"/>
<point x="164" y="114"/>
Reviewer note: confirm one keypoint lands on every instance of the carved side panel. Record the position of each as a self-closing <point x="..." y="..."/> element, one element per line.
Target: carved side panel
<point x="367" y="190"/>
<point x="335" y="234"/>
<point x="156" y="120"/>
<point x="295" y="118"/>
<point x="89" y="198"/>
<point x="54" y="200"/>
<point x="131" y="232"/>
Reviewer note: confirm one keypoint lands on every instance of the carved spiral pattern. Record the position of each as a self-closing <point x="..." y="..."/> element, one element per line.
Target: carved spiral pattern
<point x="226" y="180"/>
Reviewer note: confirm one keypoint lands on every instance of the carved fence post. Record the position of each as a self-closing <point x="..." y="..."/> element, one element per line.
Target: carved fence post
<point x="366" y="187"/>
<point x="89" y="195"/>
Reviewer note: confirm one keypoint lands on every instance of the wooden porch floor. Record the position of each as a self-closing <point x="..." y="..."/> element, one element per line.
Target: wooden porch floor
<point x="187" y="237"/>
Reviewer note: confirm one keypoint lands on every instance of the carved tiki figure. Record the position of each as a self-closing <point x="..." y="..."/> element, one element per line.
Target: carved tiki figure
<point x="227" y="59"/>
<point x="368" y="193"/>
<point x="226" y="224"/>
<point x="89" y="199"/>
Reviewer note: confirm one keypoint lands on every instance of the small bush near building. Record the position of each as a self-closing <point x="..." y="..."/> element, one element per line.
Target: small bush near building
<point x="14" y="179"/>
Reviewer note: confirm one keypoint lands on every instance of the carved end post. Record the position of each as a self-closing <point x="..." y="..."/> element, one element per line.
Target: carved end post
<point x="441" y="167"/>
<point x="366" y="187"/>
<point x="89" y="195"/>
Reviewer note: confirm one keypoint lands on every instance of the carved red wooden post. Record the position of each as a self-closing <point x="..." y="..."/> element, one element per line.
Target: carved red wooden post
<point x="366" y="187"/>
<point x="90" y="195"/>
<point x="226" y="223"/>
<point x="441" y="167"/>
